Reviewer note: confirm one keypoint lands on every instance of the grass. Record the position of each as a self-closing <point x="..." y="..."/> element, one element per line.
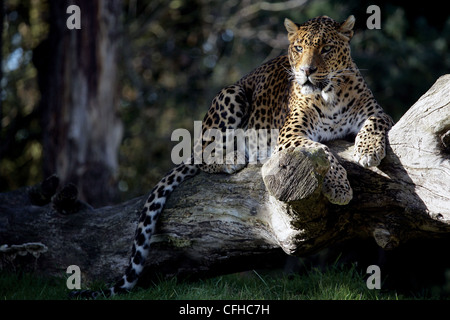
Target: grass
<point x="26" y="286"/>
<point x="334" y="283"/>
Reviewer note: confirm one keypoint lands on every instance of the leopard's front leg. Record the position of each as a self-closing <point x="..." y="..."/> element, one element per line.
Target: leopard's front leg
<point x="336" y="187"/>
<point x="370" y="142"/>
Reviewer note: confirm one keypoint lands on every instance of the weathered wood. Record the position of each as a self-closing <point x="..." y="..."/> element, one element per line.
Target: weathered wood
<point x="216" y="223"/>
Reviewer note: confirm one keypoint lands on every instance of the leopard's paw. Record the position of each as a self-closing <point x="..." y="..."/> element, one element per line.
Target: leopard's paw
<point x="368" y="156"/>
<point x="337" y="191"/>
<point x="234" y="162"/>
<point x="370" y="143"/>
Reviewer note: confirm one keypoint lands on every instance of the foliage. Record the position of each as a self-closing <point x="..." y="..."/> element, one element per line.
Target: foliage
<point x="20" y="145"/>
<point x="177" y="54"/>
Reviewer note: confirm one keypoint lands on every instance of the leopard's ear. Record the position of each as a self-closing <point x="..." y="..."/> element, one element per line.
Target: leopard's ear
<point x="346" y="28"/>
<point x="291" y="27"/>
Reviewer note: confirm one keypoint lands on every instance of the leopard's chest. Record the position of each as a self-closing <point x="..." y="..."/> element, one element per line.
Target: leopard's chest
<point x="332" y="121"/>
<point x="333" y="127"/>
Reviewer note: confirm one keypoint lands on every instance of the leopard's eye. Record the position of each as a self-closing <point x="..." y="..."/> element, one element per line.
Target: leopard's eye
<point x="326" y="49"/>
<point x="299" y="49"/>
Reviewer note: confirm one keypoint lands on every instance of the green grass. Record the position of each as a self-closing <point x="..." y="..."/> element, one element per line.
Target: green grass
<point x="332" y="284"/>
<point x="26" y="286"/>
<point x="335" y="283"/>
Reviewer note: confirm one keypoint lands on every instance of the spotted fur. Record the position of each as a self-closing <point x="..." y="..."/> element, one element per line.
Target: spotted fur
<point x="313" y="94"/>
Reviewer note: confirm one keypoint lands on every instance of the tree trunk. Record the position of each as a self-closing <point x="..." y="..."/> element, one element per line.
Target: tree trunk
<point x="78" y="81"/>
<point x="217" y="223"/>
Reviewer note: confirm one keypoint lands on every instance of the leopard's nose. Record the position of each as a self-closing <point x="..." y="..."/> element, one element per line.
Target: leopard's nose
<point x="309" y="70"/>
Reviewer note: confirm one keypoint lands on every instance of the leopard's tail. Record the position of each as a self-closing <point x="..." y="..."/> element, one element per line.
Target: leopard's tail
<point x="146" y="227"/>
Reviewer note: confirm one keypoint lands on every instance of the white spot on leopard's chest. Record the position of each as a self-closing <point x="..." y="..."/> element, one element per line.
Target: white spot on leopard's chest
<point x="329" y="96"/>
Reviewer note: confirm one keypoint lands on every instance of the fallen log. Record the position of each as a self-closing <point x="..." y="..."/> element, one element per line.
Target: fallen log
<point x="216" y="223"/>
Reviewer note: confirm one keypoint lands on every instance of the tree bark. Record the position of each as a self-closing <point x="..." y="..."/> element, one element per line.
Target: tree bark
<point x="78" y="81"/>
<point x="217" y="223"/>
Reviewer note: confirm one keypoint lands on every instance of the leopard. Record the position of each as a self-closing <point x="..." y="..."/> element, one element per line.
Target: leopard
<point x="313" y="94"/>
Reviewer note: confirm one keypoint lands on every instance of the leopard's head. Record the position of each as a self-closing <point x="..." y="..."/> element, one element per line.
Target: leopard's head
<point x="319" y="51"/>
